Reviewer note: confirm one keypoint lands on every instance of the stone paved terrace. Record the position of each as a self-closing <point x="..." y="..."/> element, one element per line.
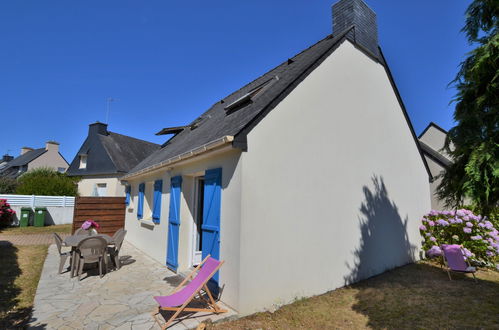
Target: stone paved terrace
<point x="122" y="299"/>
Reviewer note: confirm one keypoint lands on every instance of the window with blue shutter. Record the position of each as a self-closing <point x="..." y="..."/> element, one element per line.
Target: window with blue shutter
<point x="158" y="192"/>
<point x="128" y="190"/>
<point x="140" y="206"/>
<point x="173" y="223"/>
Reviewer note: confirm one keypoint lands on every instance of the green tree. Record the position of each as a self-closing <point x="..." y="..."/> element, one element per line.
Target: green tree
<point x="47" y="182"/>
<point x="7" y="185"/>
<point x="475" y="138"/>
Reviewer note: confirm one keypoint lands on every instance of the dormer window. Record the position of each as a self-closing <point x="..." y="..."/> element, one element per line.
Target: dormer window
<point x="83" y="161"/>
<point x="249" y="97"/>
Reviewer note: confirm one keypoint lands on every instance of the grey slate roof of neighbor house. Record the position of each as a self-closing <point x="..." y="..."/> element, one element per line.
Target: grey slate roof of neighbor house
<point x="109" y="153"/>
<point x="229" y="118"/>
<point x="27" y="157"/>
<point x="12" y="168"/>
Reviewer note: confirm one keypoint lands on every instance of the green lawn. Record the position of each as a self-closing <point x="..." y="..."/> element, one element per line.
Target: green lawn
<point x="414" y="296"/>
<point x="36" y="230"/>
<point x="20" y="271"/>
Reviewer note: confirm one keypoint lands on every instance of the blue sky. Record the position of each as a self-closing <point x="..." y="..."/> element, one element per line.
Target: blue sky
<point x="168" y="61"/>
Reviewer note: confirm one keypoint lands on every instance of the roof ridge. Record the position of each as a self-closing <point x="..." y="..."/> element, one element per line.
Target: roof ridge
<point x="329" y="36"/>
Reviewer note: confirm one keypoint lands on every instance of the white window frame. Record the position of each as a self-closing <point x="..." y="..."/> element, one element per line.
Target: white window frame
<point x="83" y="161"/>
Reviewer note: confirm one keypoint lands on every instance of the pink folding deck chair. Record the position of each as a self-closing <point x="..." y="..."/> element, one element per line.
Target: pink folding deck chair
<point x="455" y="261"/>
<point x="177" y="302"/>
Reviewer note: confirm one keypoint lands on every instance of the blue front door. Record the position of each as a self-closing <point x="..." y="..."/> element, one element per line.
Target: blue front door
<point x="173" y="223"/>
<point x="211" y="216"/>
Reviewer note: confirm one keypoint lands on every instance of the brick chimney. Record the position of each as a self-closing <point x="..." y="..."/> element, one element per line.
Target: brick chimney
<point x="347" y="13"/>
<point x="25" y="150"/>
<point x="97" y="128"/>
<point x="52" y="145"/>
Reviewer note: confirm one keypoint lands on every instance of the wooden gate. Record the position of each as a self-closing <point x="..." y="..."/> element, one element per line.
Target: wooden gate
<point x="108" y="212"/>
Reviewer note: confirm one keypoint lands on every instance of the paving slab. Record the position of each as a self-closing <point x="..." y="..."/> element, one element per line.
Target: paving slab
<point x="122" y="299"/>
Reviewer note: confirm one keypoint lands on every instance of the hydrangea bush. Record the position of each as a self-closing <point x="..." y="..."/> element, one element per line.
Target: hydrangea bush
<point x="476" y="234"/>
<point x="6" y="213"/>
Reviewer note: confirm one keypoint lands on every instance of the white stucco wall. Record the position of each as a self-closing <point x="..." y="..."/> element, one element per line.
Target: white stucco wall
<point x="435" y="169"/>
<point x="435" y="138"/>
<point x="56" y="215"/>
<point x="333" y="186"/>
<point x="51" y="158"/>
<point x="152" y="238"/>
<point x="113" y="184"/>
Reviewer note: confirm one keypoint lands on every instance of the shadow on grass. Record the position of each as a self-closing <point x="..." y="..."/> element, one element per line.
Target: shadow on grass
<point x="418" y="295"/>
<point x="421" y="296"/>
<point x="10" y="316"/>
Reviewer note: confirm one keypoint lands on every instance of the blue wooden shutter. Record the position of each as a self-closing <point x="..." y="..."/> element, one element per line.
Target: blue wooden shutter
<point x="140" y="206"/>
<point x="173" y="223"/>
<point x="128" y="190"/>
<point x="211" y="216"/>
<point x="158" y="191"/>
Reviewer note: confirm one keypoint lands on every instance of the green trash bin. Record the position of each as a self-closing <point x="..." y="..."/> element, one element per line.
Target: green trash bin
<point x="25" y="216"/>
<point x="40" y="213"/>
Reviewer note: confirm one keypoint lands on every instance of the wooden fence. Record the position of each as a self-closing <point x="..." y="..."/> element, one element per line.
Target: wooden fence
<point x="108" y="212"/>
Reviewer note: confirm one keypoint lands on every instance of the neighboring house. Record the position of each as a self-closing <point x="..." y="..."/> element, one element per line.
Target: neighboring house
<point x="35" y="158"/>
<point x="432" y="141"/>
<point x="306" y="179"/>
<point x="104" y="157"/>
<point x="5" y="161"/>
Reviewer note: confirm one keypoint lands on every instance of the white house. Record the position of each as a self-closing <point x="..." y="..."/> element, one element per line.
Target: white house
<point x="29" y="159"/>
<point x="432" y="141"/>
<point x="104" y="157"/>
<point x="304" y="180"/>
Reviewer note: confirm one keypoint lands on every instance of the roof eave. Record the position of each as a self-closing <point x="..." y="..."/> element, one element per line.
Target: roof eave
<point x="186" y="155"/>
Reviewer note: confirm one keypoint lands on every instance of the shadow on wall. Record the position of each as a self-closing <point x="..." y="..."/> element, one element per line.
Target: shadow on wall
<point x="384" y="243"/>
<point x="10" y="316"/>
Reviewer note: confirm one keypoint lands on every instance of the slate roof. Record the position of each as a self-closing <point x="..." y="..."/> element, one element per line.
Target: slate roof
<point x="27" y="157"/>
<point x="126" y="151"/>
<point x="12" y="168"/>
<point x="110" y="153"/>
<point x="216" y="123"/>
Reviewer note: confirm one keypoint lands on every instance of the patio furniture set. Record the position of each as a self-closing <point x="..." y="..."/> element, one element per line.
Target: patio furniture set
<point x="88" y="246"/>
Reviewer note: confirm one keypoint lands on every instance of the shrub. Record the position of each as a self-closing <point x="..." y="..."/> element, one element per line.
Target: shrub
<point x="493" y="216"/>
<point x="7" y="185"/>
<point x="6" y="213"/>
<point x="476" y="234"/>
<point x="47" y="182"/>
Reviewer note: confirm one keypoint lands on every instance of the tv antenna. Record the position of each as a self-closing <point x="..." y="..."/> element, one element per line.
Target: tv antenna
<point x="109" y="101"/>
